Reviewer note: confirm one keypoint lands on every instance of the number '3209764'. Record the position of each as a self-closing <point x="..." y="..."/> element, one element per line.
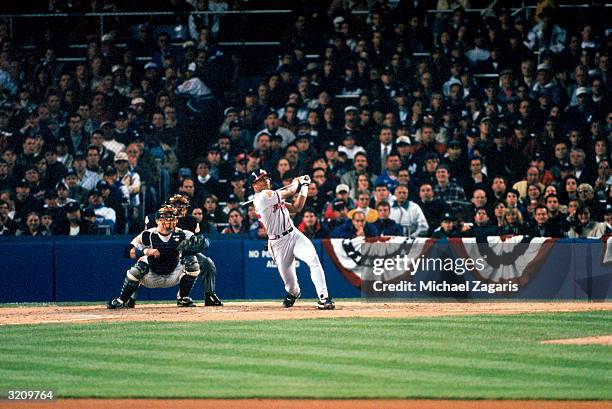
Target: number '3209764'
<point x="30" y="395"/>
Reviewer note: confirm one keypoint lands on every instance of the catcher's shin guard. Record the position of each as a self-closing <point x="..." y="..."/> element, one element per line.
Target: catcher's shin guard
<point x="128" y="289"/>
<point x="192" y="270"/>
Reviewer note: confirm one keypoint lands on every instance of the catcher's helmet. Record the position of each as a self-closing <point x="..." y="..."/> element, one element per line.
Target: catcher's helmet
<point x="180" y="203"/>
<point x="167" y="217"/>
<point x="179" y="200"/>
<point x="166" y="213"/>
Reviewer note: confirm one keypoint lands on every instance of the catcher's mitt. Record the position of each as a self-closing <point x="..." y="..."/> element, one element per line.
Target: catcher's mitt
<point x="193" y="245"/>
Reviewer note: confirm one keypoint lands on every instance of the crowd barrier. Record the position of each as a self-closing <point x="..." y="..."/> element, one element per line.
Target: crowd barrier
<point x="60" y="269"/>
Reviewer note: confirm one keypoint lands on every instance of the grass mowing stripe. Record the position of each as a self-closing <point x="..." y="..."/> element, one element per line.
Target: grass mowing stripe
<point x="391" y="358"/>
<point x="448" y="357"/>
<point x="180" y="342"/>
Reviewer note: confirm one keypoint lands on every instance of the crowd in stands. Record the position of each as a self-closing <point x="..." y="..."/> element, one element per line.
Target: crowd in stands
<point x="409" y="123"/>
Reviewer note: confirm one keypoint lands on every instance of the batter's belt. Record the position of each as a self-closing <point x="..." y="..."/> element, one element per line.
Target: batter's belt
<point x="283" y="234"/>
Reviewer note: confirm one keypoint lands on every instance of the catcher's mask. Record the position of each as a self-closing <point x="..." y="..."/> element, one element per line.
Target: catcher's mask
<point x="180" y="203"/>
<point x="167" y="217"/>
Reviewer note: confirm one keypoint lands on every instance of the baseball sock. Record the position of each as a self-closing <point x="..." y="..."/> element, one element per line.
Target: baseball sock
<point x="129" y="287"/>
<point x="318" y="279"/>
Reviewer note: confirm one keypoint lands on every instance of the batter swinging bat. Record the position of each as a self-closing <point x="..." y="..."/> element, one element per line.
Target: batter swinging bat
<point x="278" y="190"/>
<point x="251" y="201"/>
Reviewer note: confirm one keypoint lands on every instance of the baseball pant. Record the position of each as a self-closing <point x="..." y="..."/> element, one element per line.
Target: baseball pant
<point x="208" y="271"/>
<point x="154" y="280"/>
<point x="285" y="250"/>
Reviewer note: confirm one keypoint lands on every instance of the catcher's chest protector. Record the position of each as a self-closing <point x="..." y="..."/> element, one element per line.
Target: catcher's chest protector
<point x="169" y="255"/>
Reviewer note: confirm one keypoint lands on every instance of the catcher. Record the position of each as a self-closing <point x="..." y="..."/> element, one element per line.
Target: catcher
<point x="207" y="266"/>
<point x="166" y="257"/>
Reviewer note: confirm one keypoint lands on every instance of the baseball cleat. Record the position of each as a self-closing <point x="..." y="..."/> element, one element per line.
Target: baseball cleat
<point x="185" y="302"/>
<point x="326" y="304"/>
<point x="290" y="300"/>
<point x="131" y="303"/>
<point x="115" y="304"/>
<point x="211" y="300"/>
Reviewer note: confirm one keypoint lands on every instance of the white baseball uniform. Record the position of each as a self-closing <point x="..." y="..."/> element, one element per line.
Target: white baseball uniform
<point x="284" y="247"/>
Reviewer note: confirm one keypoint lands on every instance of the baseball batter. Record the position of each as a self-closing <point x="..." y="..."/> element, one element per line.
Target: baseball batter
<point x="285" y="241"/>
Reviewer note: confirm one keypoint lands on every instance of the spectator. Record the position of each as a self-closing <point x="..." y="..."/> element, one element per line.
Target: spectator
<point x="607" y="219"/>
<point x="380" y="150"/>
<point x="390" y="175"/>
<point x="570" y="190"/>
<point x="112" y="197"/>
<point x="7" y="180"/>
<point x="499" y="209"/>
<point x="512" y="223"/>
<point x="105" y="216"/>
<point x="75" y="134"/>
<point x="546" y="35"/>
<point x="482" y="227"/>
<point x="498" y="187"/>
<point x="235" y="223"/>
<point x="428" y="105"/>
<point x="272" y="128"/>
<point x="187" y="188"/>
<point x="448" y="227"/>
<point x="205" y="227"/>
<point x="556" y="214"/>
<point x="32" y="226"/>
<point x="339" y="215"/>
<point x="342" y="193"/>
<point x="354" y="227"/>
<point x="129" y="179"/>
<point x="583" y="172"/>
<point x="433" y="208"/>
<point x="212" y="213"/>
<point x="25" y="202"/>
<point x="541" y="226"/>
<point x="446" y="190"/>
<point x="73" y="224"/>
<point x="349" y="147"/>
<point x="586" y="195"/>
<point x="585" y="226"/>
<point x="311" y="227"/>
<point x="360" y="166"/>
<point x="86" y="178"/>
<point x="408" y="214"/>
<point x="532" y="177"/>
<point x="363" y="202"/>
<point x="7" y="226"/>
<point x="385" y="225"/>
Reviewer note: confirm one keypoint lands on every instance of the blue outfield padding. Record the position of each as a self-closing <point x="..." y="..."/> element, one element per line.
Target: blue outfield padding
<point x="84" y="268"/>
<point x="593" y="278"/>
<point x="26" y="268"/>
<point x="90" y="269"/>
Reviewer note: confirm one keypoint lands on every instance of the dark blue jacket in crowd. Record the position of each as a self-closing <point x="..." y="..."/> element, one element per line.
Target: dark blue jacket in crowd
<point x="348" y="231"/>
<point x="388" y="227"/>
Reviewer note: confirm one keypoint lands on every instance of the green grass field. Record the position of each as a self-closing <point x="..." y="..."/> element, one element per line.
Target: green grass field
<point x="473" y="357"/>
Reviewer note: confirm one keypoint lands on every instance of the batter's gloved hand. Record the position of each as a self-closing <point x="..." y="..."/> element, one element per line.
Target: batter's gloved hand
<point x="304" y="180"/>
<point x="191" y="246"/>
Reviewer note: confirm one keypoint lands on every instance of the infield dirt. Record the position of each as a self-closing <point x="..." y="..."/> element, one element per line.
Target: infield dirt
<point x="20" y="315"/>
